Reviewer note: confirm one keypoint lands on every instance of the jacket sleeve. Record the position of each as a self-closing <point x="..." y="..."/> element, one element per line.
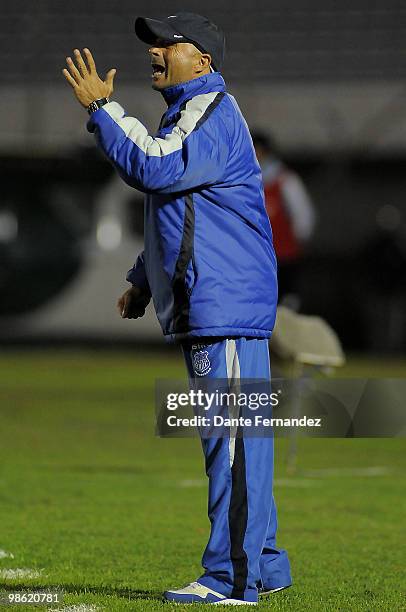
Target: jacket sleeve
<point x="193" y="154"/>
<point x="137" y="275"/>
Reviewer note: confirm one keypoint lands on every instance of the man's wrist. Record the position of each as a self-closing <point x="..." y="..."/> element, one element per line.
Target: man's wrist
<point x="96" y="104"/>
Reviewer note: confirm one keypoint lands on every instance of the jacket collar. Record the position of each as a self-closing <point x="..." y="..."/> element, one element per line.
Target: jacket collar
<point x="184" y="91"/>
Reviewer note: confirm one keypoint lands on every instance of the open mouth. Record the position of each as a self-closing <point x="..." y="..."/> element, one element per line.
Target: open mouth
<point x="157" y="70"/>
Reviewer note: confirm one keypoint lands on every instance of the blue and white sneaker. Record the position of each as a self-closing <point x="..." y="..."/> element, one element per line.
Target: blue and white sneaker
<point x="197" y="593"/>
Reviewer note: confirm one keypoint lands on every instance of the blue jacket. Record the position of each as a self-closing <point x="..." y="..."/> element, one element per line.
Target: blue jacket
<point x="209" y="261"/>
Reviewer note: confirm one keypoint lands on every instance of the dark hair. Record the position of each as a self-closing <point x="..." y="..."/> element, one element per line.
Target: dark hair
<point x="266" y="141"/>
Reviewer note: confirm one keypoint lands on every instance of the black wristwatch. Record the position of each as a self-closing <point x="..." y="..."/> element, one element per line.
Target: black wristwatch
<point x="96" y="104"/>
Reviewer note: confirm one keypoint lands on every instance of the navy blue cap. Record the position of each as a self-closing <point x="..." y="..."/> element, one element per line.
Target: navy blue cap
<point x="185" y="27"/>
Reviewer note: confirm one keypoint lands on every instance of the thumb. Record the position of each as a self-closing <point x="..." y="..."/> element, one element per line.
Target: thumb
<point x="124" y="306"/>
<point x="109" y="78"/>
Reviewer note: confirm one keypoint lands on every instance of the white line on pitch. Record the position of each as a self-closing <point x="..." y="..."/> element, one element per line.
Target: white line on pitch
<point x="190" y="484"/>
<point x="300" y="483"/>
<point x="79" y="608"/>
<point x="361" y="471"/>
<point x="20" y="572"/>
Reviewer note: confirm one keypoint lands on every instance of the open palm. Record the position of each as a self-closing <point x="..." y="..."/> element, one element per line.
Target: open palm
<point x="85" y="82"/>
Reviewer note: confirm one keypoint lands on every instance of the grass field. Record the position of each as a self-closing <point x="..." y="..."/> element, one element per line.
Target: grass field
<point x="112" y="515"/>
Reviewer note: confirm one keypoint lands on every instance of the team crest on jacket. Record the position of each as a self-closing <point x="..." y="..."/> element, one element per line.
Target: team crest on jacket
<point x="201" y="363"/>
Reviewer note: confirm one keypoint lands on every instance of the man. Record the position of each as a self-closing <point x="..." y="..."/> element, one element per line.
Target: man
<point x="291" y="213"/>
<point x="210" y="268"/>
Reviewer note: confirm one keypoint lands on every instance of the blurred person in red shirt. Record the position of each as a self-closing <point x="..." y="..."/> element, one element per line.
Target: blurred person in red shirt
<point x="292" y="215"/>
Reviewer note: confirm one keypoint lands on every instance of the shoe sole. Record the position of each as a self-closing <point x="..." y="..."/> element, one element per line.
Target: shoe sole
<point x="221" y="602"/>
<point x="234" y="602"/>
<point x="264" y="593"/>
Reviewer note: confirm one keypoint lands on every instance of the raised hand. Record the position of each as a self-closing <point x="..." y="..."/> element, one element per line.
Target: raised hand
<point x="85" y="82"/>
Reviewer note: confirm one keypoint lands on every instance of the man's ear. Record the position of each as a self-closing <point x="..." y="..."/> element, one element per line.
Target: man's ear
<point x="204" y="62"/>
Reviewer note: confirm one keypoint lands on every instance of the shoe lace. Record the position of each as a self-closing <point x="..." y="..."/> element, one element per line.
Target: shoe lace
<point x="194" y="585"/>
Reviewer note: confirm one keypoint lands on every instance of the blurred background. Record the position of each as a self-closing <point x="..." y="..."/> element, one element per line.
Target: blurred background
<point x="323" y="88"/>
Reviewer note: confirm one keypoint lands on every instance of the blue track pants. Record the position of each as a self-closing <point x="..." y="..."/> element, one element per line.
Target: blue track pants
<point x="241" y="554"/>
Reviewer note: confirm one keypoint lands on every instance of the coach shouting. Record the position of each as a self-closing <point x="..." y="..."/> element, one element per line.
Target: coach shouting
<point x="209" y="266"/>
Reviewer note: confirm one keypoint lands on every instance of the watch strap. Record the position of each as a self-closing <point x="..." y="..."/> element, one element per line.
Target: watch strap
<point x="96" y="104"/>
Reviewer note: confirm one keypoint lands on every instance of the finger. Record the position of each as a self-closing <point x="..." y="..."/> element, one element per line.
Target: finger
<point x="124" y="311"/>
<point x="121" y="306"/>
<point x="90" y="61"/>
<point x="110" y="77"/>
<point x="68" y="77"/>
<point x="73" y="70"/>
<point x="80" y="62"/>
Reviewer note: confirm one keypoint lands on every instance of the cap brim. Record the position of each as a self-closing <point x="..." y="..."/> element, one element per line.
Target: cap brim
<point x="149" y="30"/>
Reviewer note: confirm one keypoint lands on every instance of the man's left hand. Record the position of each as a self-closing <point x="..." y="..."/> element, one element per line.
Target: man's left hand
<point x="85" y="82"/>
